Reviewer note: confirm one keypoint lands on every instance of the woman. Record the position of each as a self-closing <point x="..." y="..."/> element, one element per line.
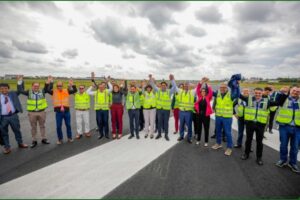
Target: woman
<point x="117" y="109"/>
<point x="203" y="109"/>
<point x="149" y="110"/>
<point x="175" y="107"/>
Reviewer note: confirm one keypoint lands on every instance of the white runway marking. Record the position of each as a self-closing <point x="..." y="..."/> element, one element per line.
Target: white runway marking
<point x="93" y="173"/>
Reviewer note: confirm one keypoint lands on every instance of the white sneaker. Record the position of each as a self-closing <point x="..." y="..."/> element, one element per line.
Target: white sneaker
<point x="197" y="143"/>
<point x="206" y="145"/>
<point x="216" y="146"/>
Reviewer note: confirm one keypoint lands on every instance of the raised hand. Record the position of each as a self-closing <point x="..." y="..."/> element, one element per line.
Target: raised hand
<point x="19" y="77"/>
<point x="171" y="77"/>
<point x="50" y="79"/>
<point x="93" y="75"/>
<point x="71" y="82"/>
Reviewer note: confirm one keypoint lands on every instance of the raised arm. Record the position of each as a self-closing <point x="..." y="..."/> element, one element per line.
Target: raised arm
<point x="20" y="86"/>
<point x="174" y="86"/>
<point x="49" y="85"/>
<point x="234" y="86"/>
<point x="72" y="88"/>
<point x="90" y="91"/>
<point x="151" y="81"/>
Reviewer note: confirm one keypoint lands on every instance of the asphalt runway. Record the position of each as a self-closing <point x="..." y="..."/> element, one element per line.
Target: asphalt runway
<point x="183" y="171"/>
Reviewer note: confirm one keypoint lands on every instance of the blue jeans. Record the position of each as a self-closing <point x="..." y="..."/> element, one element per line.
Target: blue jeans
<point x="163" y="121"/>
<point x="14" y="122"/>
<point x="102" y="121"/>
<point x="225" y="123"/>
<point x="134" y="121"/>
<point x="60" y="116"/>
<point x="288" y="133"/>
<point x="186" y="118"/>
<point x="241" y="128"/>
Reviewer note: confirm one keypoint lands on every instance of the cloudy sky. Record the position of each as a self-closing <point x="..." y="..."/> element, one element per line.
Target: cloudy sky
<point x="133" y="39"/>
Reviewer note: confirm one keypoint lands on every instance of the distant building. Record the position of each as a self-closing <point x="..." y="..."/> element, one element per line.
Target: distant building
<point x="10" y="76"/>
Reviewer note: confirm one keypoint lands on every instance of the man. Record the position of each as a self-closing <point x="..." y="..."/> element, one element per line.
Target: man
<point x="36" y="106"/>
<point x="186" y="99"/>
<point x="82" y="107"/>
<point x="175" y="108"/>
<point x="101" y="106"/>
<point x="256" y="117"/>
<point x="288" y="119"/>
<point x="61" y="104"/>
<point x="240" y="105"/>
<point x="163" y="105"/>
<point x="10" y="106"/>
<point x="133" y="105"/>
<point x="224" y="112"/>
<point x="272" y="95"/>
<point x="141" y="118"/>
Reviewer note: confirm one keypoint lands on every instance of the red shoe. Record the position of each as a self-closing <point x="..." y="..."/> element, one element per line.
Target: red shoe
<point x="23" y="146"/>
<point x="119" y="136"/>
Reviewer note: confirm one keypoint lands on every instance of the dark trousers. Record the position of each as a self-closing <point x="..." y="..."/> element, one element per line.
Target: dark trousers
<point x="259" y="130"/>
<point x="186" y="119"/>
<point x="102" y="121"/>
<point x="271" y="120"/>
<point x="14" y="122"/>
<point x="134" y="119"/>
<point x="241" y="127"/>
<point x="163" y="121"/>
<point x="141" y="118"/>
<point x="60" y="116"/>
<point x="202" y="120"/>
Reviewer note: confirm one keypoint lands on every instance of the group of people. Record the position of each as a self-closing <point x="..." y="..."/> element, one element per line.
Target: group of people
<point x="152" y="102"/>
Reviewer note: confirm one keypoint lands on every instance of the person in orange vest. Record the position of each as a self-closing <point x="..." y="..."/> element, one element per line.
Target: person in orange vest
<point x="61" y="104"/>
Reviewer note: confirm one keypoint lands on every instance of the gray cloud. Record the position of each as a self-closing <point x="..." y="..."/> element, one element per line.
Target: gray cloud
<point x="128" y="56"/>
<point x="47" y="8"/>
<point x="195" y="31"/>
<point x="5" y="50"/>
<point x="252" y="34"/>
<point x="111" y="31"/>
<point x="31" y="47"/>
<point x="160" y="14"/>
<point x="209" y="14"/>
<point x="256" y="11"/>
<point x="70" y="53"/>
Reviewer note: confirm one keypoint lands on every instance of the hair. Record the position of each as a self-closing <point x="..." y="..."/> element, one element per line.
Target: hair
<point x="148" y="86"/>
<point x="268" y="89"/>
<point x="4" y="85"/>
<point x="82" y="86"/>
<point x="132" y="86"/>
<point x="35" y="83"/>
<point x="181" y="84"/>
<point x="164" y="82"/>
<point x="294" y="85"/>
<point x="258" y="88"/>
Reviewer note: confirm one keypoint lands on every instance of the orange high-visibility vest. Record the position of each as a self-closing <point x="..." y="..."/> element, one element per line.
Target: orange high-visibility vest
<point x="61" y="98"/>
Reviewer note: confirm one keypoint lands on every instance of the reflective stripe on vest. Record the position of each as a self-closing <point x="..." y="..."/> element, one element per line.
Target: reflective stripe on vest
<point x="286" y="114"/>
<point x="273" y="108"/>
<point x="82" y="101"/>
<point x="149" y="100"/>
<point x="61" y="98"/>
<point x="257" y="115"/>
<point x="133" y="100"/>
<point x="186" y="101"/>
<point x="38" y="104"/>
<point x="163" y="100"/>
<point x="224" y="106"/>
<point x="176" y="105"/>
<point x="101" y="100"/>
<point x="241" y="108"/>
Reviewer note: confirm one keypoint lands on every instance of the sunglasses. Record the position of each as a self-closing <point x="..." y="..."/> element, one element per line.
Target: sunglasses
<point x="81" y="88"/>
<point x="59" y="86"/>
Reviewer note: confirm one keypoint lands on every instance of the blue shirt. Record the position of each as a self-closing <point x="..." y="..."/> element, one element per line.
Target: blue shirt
<point x="3" y="105"/>
<point x="293" y="104"/>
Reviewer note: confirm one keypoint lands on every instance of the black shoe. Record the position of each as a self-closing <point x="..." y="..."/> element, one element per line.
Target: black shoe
<point x="167" y="138"/>
<point x="270" y="131"/>
<point x="45" y="141"/>
<point x="107" y="136"/>
<point x="34" y="143"/>
<point x="137" y="137"/>
<point x="100" y="137"/>
<point x="213" y="136"/>
<point x="158" y="136"/>
<point x="175" y="132"/>
<point x="189" y="141"/>
<point x="224" y="139"/>
<point x="238" y="146"/>
<point x="179" y="139"/>
<point x="281" y="163"/>
<point x="141" y="128"/>
<point x="131" y="136"/>
<point x="294" y="168"/>
<point x="259" y="161"/>
<point x="245" y="156"/>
